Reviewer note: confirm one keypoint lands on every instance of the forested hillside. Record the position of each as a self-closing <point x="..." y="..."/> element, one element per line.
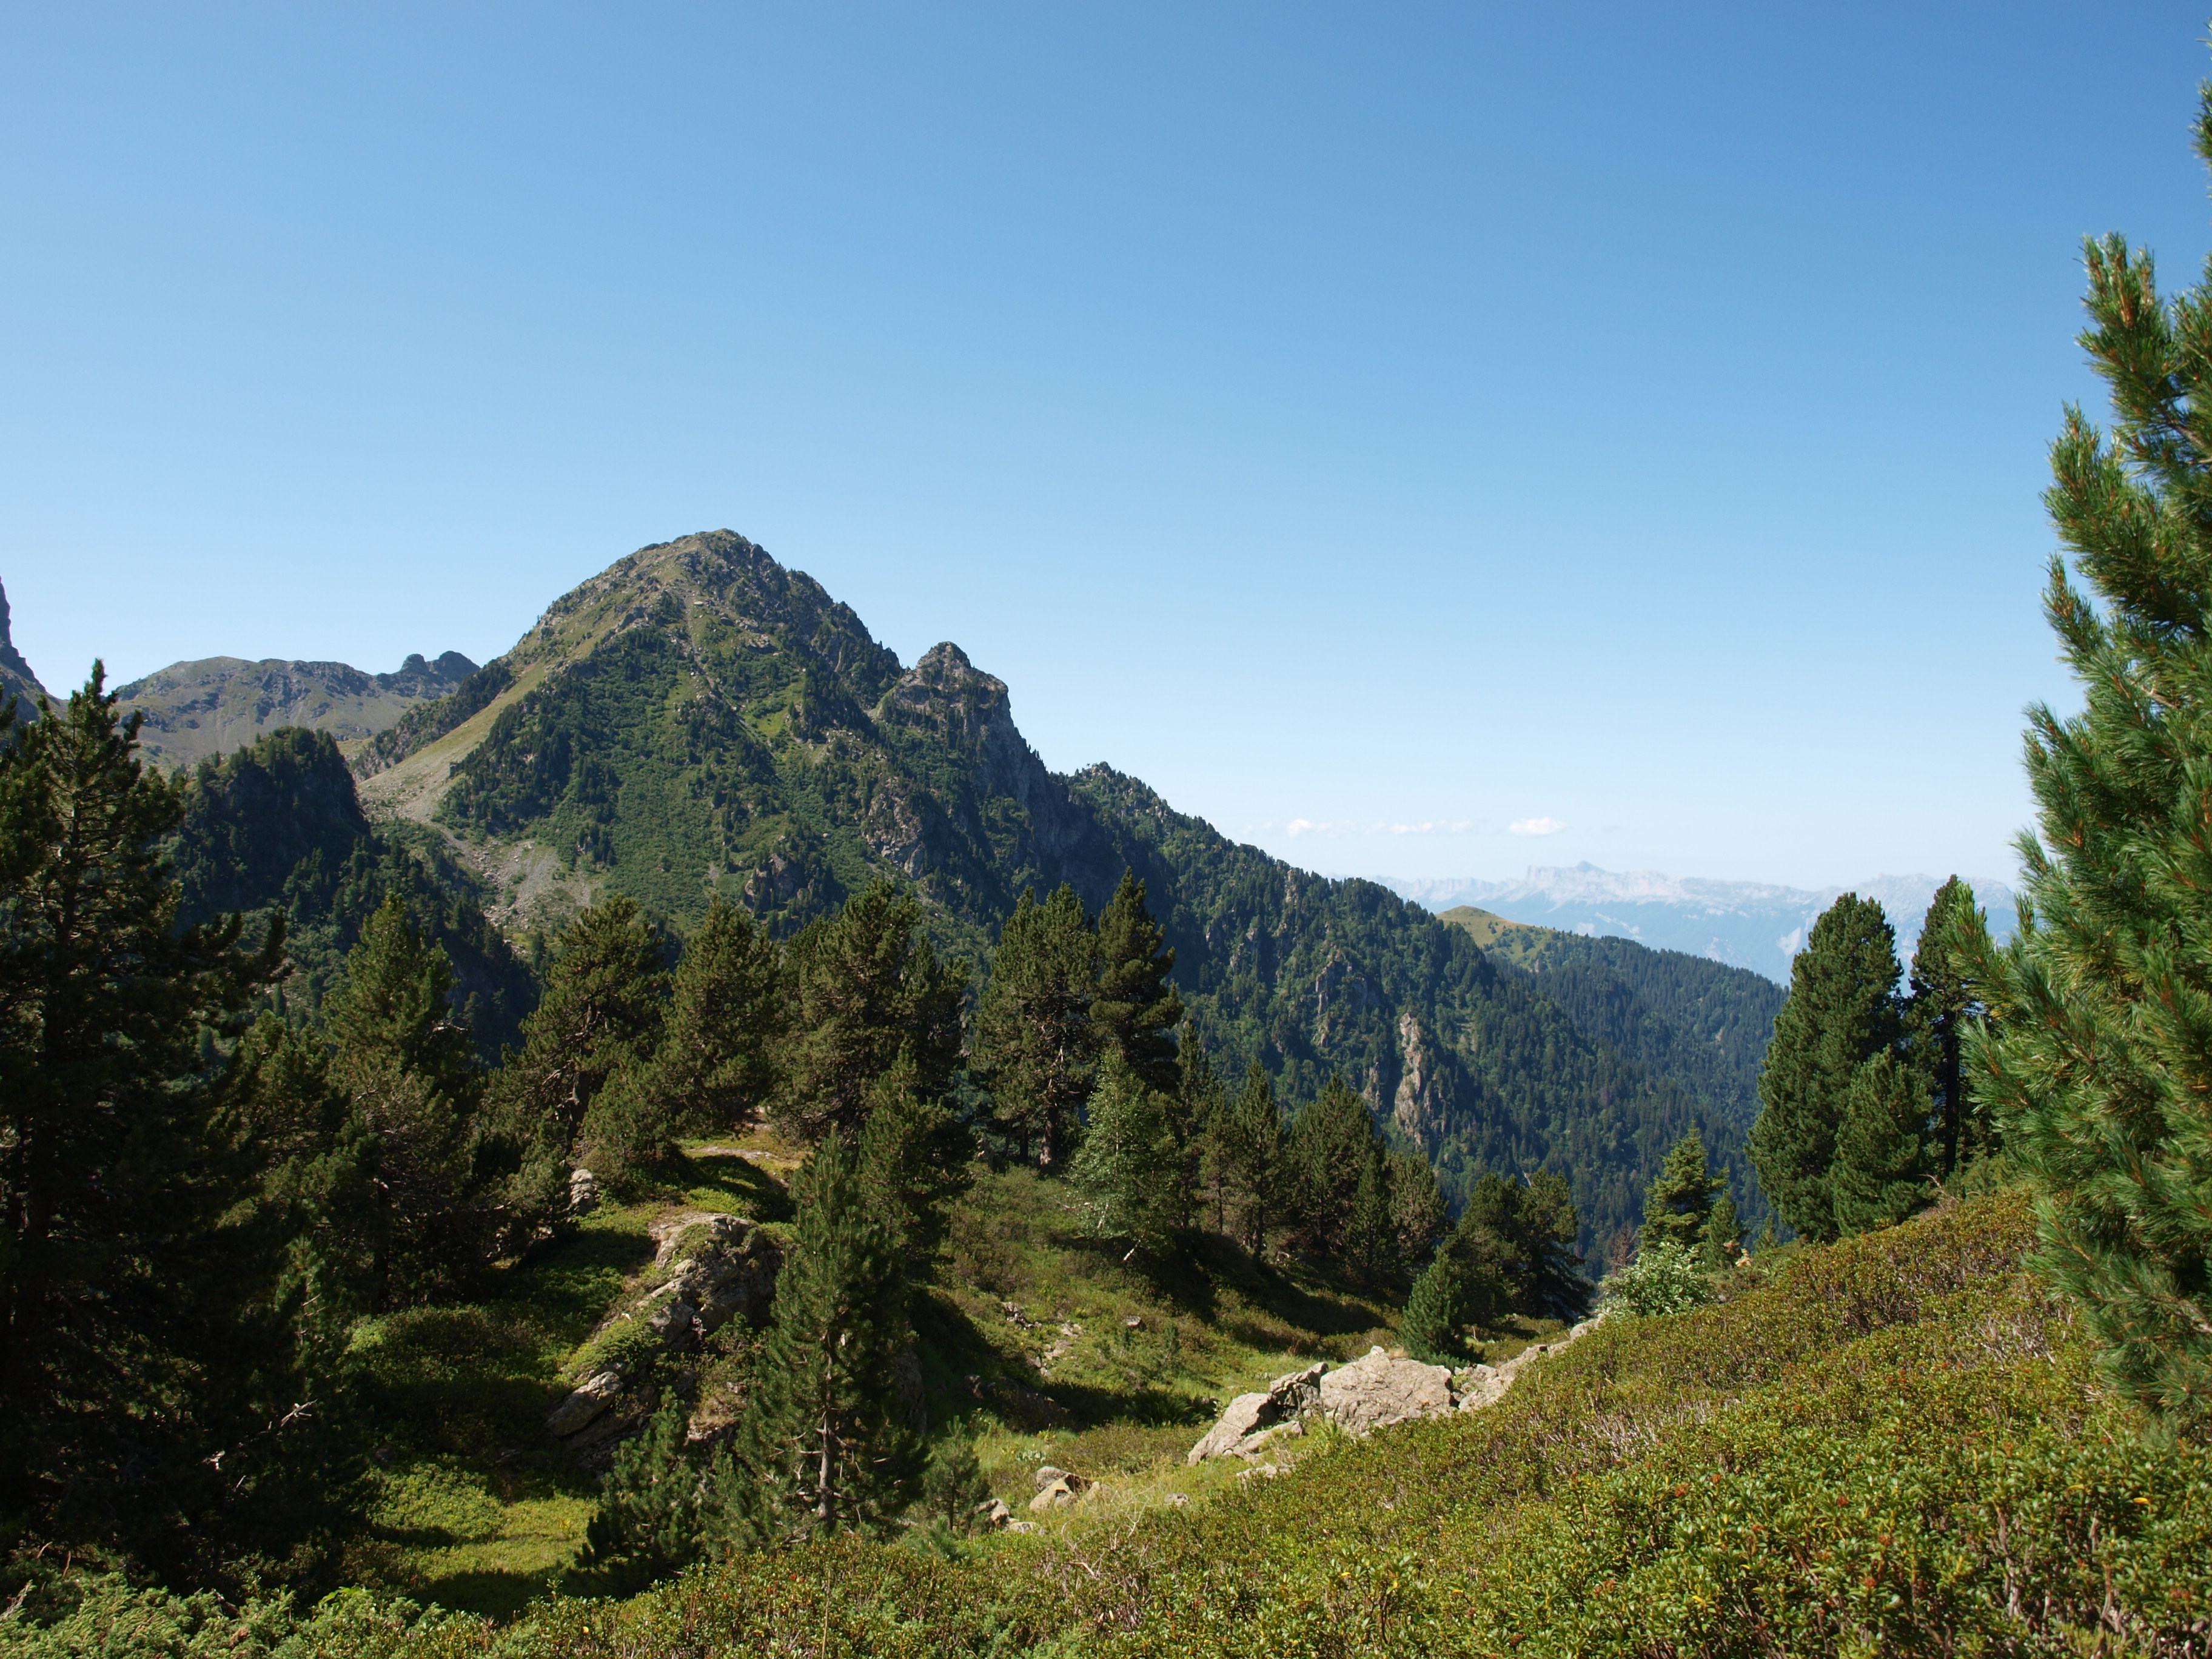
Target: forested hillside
<point x="277" y="825"/>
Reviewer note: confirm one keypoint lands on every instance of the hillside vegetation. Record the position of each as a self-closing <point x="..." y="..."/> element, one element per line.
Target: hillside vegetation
<point x="1895" y="1444"/>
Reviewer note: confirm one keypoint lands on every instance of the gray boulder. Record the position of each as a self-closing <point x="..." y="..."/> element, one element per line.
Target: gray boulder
<point x="1376" y="1391"/>
<point x="588" y="1399"/>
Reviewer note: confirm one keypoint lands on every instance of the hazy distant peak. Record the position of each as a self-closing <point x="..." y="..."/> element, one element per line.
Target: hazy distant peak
<point x="1756" y="925"/>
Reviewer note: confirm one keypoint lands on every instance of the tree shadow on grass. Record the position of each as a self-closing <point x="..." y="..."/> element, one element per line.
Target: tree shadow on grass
<point x="748" y="1188"/>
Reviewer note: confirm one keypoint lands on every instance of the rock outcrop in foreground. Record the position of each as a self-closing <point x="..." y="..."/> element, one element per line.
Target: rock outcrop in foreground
<point x="1373" y="1392"/>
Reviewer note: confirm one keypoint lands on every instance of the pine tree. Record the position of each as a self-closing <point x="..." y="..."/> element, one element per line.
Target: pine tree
<point x="1371" y="1239"/>
<point x="1250" y="1156"/>
<point x="1137" y="1007"/>
<point x="1680" y="1201"/>
<point x="1842" y="1008"/>
<point x="600" y="1018"/>
<point x="715" y="1068"/>
<point x="1515" y="1246"/>
<point x="1435" y="1314"/>
<point x="656" y="1509"/>
<point x="141" y="1346"/>
<point x="1333" y="1144"/>
<point x="1880" y="1174"/>
<point x="1943" y="1003"/>
<point x="1724" y="1234"/>
<point x="914" y="1157"/>
<point x="1419" y="1215"/>
<point x="864" y="987"/>
<point x="822" y="1449"/>
<point x="406" y="1069"/>
<point x="952" y="1485"/>
<point x="2099" y="1062"/>
<point x="1129" y="1170"/>
<point x="1035" y="1048"/>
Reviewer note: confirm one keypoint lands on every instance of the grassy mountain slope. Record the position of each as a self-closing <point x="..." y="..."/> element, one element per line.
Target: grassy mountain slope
<point x="194" y="710"/>
<point x="697" y="719"/>
<point x="1897" y="1444"/>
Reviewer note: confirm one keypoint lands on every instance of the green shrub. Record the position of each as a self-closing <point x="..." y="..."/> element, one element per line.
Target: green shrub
<point x="1664" y="1279"/>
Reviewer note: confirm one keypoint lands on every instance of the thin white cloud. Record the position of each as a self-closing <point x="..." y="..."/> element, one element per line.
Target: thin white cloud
<point x="1337" y="829"/>
<point x="1535" y="826"/>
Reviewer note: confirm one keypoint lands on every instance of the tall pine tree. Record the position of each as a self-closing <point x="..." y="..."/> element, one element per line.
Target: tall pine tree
<point x="1137" y="1008"/>
<point x="607" y="995"/>
<point x="1129" y="1170"/>
<point x="1842" y="1008"/>
<point x="1035" y="1046"/>
<point x="823" y="1448"/>
<point x="2100" y="1066"/>
<point x="141" y="1346"/>
<point x="406" y="1070"/>
<point x="1880" y="1174"/>
<point x="715" y="1068"/>
<point x="1943" y="1004"/>
<point x="1680" y="1201"/>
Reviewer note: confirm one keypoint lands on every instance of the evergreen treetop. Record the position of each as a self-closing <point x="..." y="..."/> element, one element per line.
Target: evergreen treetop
<point x="1842" y="1008"/>
<point x="824" y="1447"/>
<point x="1680" y="1201"/>
<point x="1137" y="1007"/>
<point x="865" y="987"/>
<point x="1035" y="1047"/>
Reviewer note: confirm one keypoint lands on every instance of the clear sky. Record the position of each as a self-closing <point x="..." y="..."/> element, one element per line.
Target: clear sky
<point x="1376" y="426"/>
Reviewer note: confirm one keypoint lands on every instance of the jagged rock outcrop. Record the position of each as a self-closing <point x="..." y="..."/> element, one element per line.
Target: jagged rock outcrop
<point x="16" y="679"/>
<point x="717" y="1268"/>
<point x="707" y="1270"/>
<point x="1483" y="1384"/>
<point x="1251" y="1417"/>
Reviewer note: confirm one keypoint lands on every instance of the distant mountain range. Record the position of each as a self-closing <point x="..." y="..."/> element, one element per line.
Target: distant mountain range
<point x="1746" y="924"/>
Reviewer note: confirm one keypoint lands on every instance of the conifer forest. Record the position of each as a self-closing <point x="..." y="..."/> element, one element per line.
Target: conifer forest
<point x="689" y="1140"/>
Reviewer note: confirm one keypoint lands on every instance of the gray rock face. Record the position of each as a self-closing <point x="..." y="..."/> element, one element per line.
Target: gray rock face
<point x="1376" y="1391"/>
<point x="724" y="1268"/>
<point x="590" y="1398"/>
<point x="583" y="1192"/>
<point x="1251" y="1417"/>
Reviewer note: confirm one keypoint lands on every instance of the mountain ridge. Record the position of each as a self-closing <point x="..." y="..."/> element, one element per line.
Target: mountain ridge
<point x="696" y="719"/>
<point x="211" y="706"/>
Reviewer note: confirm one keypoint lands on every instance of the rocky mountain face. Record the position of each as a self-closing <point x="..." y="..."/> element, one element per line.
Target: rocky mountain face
<point x="196" y="709"/>
<point x="698" y="720"/>
<point x="16" y="679"/>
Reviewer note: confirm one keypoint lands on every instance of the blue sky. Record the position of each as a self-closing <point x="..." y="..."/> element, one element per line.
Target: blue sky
<point x="1377" y="428"/>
